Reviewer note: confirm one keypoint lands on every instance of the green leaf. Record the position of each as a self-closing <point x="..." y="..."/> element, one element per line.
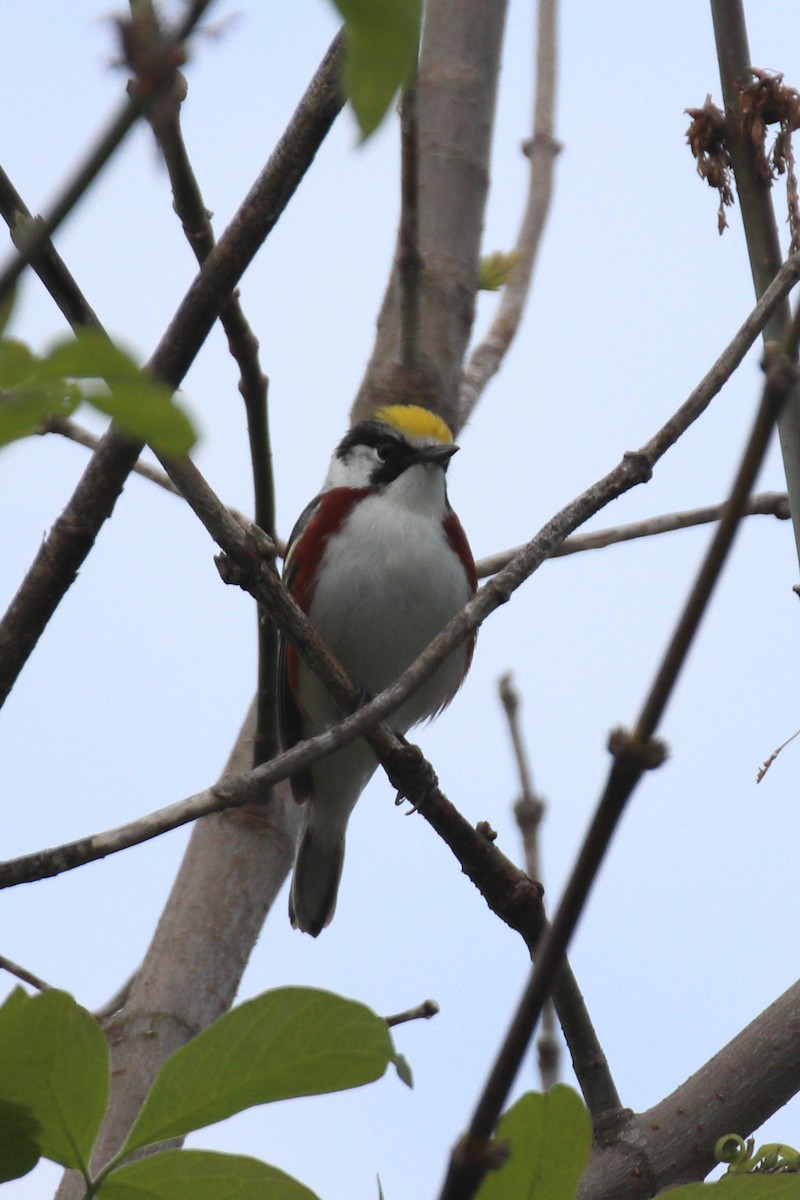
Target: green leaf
<point x="23" y="411"/>
<point x="494" y="269"/>
<point x="29" y="394"/>
<point x="200" y="1175"/>
<point x="403" y="1069"/>
<point x="740" y="1187"/>
<point x="19" y="1141"/>
<point x="143" y="408"/>
<point x="7" y="308"/>
<point x="54" y="1062"/>
<point x="17" y="362"/>
<point x="287" y="1042"/>
<point x="147" y="411"/>
<point x="13" y="1004"/>
<point x="89" y="355"/>
<point x="550" y="1136"/>
<point x="382" y="39"/>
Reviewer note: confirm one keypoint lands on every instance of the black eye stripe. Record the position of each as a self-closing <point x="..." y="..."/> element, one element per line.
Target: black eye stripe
<point x="368" y="433"/>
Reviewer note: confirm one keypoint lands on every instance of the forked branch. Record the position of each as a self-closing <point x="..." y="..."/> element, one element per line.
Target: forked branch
<point x="541" y="149"/>
<point x="633" y="754"/>
<point x="65" y="548"/>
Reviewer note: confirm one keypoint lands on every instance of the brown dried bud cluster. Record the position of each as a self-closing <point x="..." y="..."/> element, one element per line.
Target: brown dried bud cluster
<point x="763" y="102"/>
<point x="706" y="138"/>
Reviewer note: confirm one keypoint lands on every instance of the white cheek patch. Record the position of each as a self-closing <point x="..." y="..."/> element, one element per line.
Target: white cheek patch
<point x="355" y="470"/>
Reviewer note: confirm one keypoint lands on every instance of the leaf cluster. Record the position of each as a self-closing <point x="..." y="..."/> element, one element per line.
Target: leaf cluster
<point x="87" y="367"/>
<point x="54" y="1089"/>
<point x="293" y="1041"/>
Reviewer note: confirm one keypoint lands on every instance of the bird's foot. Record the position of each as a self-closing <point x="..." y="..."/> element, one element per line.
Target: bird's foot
<point x="412" y="775"/>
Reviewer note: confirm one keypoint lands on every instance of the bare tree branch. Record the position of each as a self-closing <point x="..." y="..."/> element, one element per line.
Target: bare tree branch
<point x="409" y="265"/>
<point x="633" y="754"/>
<point x="758" y="217"/>
<point x="47" y="264"/>
<point x="673" y="1142"/>
<point x="76" y="433"/>
<point x="772" y="504"/>
<point x="458" y="71"/>
<point x="166" y="54"/>
<point x="542" y="150"/>
<point x="588" y="1057"/>
<point x="529" y="809"/>
<point x="166" y="1004"/>
<point x="424" y="1012"/>
<point x="253" y="385"/>
<point x="22" y="974"/>
<point x="73" y="534"/>
<point x="243" y="547"/>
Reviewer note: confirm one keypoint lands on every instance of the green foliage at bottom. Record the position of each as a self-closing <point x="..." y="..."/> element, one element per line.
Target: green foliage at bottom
<point x="54" y="1078"/>
<point x="54" y="1063"/>
<point x="740" y="1187"/>
<point x="549" y="1136"/>
<point x="19" y="1141"/>
<point x="200" y="1175"/>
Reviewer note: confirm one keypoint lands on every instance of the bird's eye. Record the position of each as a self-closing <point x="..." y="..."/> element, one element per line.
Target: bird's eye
<point x="385" y="451"/>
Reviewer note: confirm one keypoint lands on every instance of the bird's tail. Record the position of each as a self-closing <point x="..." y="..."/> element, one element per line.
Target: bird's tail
<point x="315" y="883"/>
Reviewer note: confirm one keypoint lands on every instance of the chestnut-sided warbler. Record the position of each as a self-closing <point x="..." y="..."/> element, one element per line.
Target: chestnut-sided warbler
<point x="379" y="562"/>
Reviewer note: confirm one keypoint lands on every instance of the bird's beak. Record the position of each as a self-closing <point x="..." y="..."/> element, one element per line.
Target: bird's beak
<point x="435" y="454"/>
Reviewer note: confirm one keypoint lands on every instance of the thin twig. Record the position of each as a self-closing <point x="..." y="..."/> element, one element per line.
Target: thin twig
<point x="23" y="974"/>
<point x="773" y="504"/>
<point x="76" y="433"/>
<point x="73" y="534"/>
<point x="781" y="381"/>
<point x="409" y="261"/>
<point x="407" y="772"/>
<point x="634" y="469"/>
<point x="117" y="1001"/>
<point x="82" y="437"/>
<point x="195" y="218"/>
<point x="765" y="766"/>
<point x="758" y="216"/>
<point x="33" y="236"/>
<point x="529" y="810"/>
<point x="548" y="1049"/>
<point x="541" y="150"/>
<point x="588" y="1057"/>
<point x="459" y="70"/>
<point x="660" y="1148"/>
<point x="422" y="1012"/>
<point x="506" y="889"/>
<point x="48" y="264"/>
<point x="633" y="754"/>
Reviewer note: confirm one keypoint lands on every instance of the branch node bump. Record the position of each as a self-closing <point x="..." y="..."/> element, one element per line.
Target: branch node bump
<point x="153" y="57"/>
<point x="628" y="749"/>
<point x="641" y="463"/>
<point x="543" y="143"/>
<point x="486" y="831"/>
<point x="780" y="371"/>
<point x="529" y="811"/>
<point x="472" y="1152"/>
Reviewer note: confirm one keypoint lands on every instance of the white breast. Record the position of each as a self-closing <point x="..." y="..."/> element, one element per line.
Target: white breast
<point x="388" y="584"/>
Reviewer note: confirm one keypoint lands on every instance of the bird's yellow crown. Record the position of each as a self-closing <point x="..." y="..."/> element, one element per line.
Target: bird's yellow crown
<point x="415" y="422"/>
